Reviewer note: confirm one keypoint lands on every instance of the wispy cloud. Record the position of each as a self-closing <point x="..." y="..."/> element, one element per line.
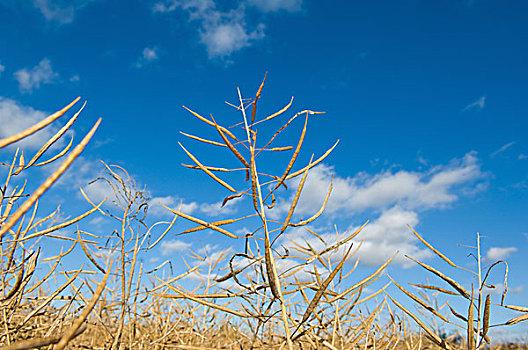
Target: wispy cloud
<point x="15" y="117"/>
<point x="60" y="11"/>
<point x="523" y="156"/>
<point x="499" y="289"/>
<point x="499" y="253"/>
<point x="225" y="32"/>
<point x="148" y="55"/>
<point x="2" y="69"/>
<point x="169" y="247"/>
<point x="502" y="149"/>
<point x="396" y="199"/>
<point x="477" y="105"/>
<point x="276" y="5"/>
<point x="434" y="188"/>
<point x="29" y="79"/>
<point x="379" y="240"/>
<point x="156" y="206"/>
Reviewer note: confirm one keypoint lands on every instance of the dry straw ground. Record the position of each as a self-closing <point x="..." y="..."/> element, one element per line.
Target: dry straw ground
<point x="261" y="297"/>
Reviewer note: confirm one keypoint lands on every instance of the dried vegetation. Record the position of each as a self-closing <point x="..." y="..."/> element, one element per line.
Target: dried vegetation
<point x="263" y="296"/>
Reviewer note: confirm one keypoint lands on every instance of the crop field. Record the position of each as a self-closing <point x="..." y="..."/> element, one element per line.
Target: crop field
<point x="266" y="293"/>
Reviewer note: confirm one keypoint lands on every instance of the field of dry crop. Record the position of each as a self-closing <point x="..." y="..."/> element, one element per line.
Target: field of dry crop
<point x="264" y="296"/>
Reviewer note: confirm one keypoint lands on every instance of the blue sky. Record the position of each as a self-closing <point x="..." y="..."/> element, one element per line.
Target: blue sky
<point x="428" y="100"/>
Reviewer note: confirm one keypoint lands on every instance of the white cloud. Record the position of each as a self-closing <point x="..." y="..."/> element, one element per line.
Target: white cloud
<point x="148" y="55"/>
<point x="173" y="246"/>
<point x="523" y="156"/>
<point x="15" y="117"/>
<point x="499" y="289"/>
<point x="398" y="197"/>
<point x="207" y="250"/>
<point x="382" y="238"/>
<point x="502" y="149"/>
<point x="276" y="5"/>
<point x="173" y="202"/>
<point x="434" y="188"/>
<point x="60" y="11"/>
<point x="477" y="105"/>
<point x="75" y="78"/>
<point x="29" y="79"/>
<point x="216" y="209"/>
<point x="156" y="208"/>
<point x="222" y="39"/>
<point x="222" y="32"/>
<point x="499" y="253"/>
<point x="2" y="69"/>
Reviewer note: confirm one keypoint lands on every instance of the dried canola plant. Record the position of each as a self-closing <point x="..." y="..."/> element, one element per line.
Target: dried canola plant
<point x="269" y="289"/>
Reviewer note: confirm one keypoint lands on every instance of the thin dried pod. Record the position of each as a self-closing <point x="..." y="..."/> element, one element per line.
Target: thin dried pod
<point x="254" y="180"/>
<point x="207" y="121"/>
<point x="87" y="253"/>
<point x="319" y="212"/>
<point x="52" y="140"/>
<point x="437" y="252"/>
<point x="231" y="274"/>
<point x="36" y="127"/>
<point x="227" y="199"/>
<point x="434" y="337"/>
<point x="486" y="316"/>
<point x="470" y="331"/>
<point x="505" y="277"/>
<point x="203" y="140"/>
<point x="449" y="280"/>
<point x="204" y="169"/>
<point x="294" y="156"/>
<point x="318" y="295"/>
<point x="49" y="181"/>
<point x="273" y="202"/>
<point x="516" y="308"/>
<point x="295" y="199"/>
<point x="276" y="114"/>
<point x="186" y="273"/>
<point x="442" y="290"/>
<point x="201" y="222"/>
<point x="216" y="223"/>
<point x="200" y="301"/>
<point x="70" y="334"/>
<point x="257" y="96"/>
<point x="58" y="155"/>
<point x="275" y="149"/>
<point x="317" y="161"/>
<point x="163" y="234"/>
<point x="64" y="224"/>
<point x="456" y="314"/>
<point x="420" y="302"/>
<point x="211" y="168"/>
<point x="517" y="320"/>
<point x="230" y="145"/>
